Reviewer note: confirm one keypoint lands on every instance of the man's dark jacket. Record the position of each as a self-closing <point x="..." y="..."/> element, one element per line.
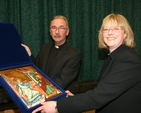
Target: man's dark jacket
<point x="64" y="68"/>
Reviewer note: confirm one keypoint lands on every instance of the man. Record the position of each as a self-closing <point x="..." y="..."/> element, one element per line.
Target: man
<point x="58" y="59"/>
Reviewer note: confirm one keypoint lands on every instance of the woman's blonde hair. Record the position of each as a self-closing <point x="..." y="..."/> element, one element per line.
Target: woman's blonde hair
<point x="122" y="23"/>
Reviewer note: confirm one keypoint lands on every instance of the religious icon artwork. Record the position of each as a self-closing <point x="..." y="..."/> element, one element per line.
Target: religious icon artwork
<point x="29" y="85"/>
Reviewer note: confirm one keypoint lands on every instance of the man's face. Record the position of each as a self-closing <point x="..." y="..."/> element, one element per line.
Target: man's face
<point x="59" y="30"/>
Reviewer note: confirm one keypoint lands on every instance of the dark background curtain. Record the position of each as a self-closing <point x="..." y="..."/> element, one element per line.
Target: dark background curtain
<point x="32" y="19"/>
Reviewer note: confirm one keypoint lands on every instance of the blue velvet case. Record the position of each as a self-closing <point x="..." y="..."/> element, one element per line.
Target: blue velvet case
<point x="14" y="59"/>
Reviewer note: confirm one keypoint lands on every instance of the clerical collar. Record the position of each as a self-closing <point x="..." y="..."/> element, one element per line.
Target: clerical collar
<point x="58" y="47"/>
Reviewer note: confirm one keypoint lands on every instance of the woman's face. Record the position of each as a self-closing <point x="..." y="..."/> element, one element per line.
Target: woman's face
<point x="113" y="35"/>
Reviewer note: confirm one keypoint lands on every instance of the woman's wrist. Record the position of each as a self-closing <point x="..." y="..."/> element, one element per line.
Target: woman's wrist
<point x="56" y="107"/>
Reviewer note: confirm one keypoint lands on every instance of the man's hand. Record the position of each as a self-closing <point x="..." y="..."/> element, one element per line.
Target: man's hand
<point x="69" y="93"/>
<point x="27" y="49"/>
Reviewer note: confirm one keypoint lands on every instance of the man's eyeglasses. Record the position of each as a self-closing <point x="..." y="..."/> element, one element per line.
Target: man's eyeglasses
<point x="60" y="28"/>
<point x="105" y="30"/>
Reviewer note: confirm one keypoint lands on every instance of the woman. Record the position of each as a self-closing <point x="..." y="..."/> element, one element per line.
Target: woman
<point x="119" y="87"/>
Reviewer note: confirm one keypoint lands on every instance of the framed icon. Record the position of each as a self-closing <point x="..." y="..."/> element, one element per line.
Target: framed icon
<point x="28" y="87"/>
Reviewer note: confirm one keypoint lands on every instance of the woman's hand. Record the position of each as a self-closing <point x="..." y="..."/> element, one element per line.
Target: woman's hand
<point x="47" y="107"/>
